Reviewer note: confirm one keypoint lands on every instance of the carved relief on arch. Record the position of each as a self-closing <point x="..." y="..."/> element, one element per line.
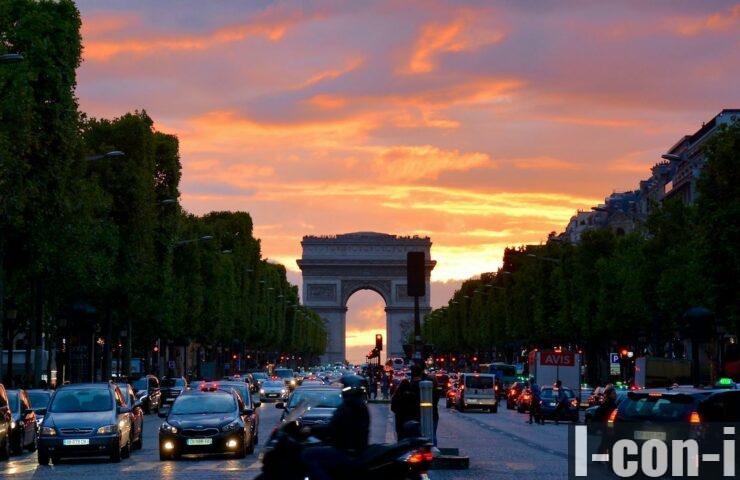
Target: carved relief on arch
<point x="382" y="287"/>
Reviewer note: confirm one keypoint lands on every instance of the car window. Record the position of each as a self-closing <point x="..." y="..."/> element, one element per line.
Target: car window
<point x="25" y="404"/>
<point x="273" y="384"/>
<point x="203" y="404"/>
<point x="665" y="407"/>
<point x="317" y="398"/>
<point x="81" y="400"/>
<point x="284" y="373"/>
<point x="551" y="393"/>
<point x="722" y="407"/>
<point x="479" y="383"/>
<point x="39" y="399"/>
<point x="13" y="400"/>
<point x="241" y="389"/>
<point x="153" y="383"/>
<point x="173" y="382"/>
<point x="140" y="384"/>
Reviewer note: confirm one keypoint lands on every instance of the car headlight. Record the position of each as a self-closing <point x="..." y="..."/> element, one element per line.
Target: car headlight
<point x="12" y="424"/>
<point x="283" y="391"/>
<point x="166" y="427"/>
<point x="231" y="426"/>
<point x="292" y="382"/>
<point x="262" y="391"/>
<point x="107" y="429"/>
<point x="51" y="431"/>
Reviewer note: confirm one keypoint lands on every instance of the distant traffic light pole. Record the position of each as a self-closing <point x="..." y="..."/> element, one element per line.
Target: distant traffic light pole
<point x="416" y="287"/>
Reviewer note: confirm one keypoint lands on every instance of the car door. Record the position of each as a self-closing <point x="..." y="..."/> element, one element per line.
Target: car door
<point x="123" y="418"/>
<point x="28" y="417"/>
<point x="154" y="392"/>
<point x="137" y="415"/>
<point x="246" y="418"/>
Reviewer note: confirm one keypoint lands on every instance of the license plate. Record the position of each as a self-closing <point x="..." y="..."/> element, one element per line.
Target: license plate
<point x="552" y="404"/>
<point x="199" y="441"/>
<point x="76" y="441"/>
<point x="272" y="394"/>
<point x="643" y="435"/>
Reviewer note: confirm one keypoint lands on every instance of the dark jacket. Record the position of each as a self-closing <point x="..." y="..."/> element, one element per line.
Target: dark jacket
<point x="406" y="401"/>
<point x="349" y="427"/>
<point x="604" y="410"/>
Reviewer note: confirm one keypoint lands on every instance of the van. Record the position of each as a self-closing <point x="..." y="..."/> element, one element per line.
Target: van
<point x="477" y="390"/>
<point x="396" y="363"/>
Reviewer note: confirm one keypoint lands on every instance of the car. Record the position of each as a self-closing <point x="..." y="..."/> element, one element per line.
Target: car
<point x="23" y="426"/>
<point x="5" y="419"/>
<point x="147" y="391"/>
<point x="86" y="419"/>
<point x="512" y="395"/>
<point x="323" y="400"/>
<point x="206" y="422"/>
<point x="311" y="381"/>
<point x="477" y="391"/>
<point x="39" y="402"/>
<point x="242" y="389"/>
<point x="136" y="415"/>
<point x="171" y="388"/>
<point x="273" y="390"/>
<point x="596" y="397"/>
<point x="585" y="395"/>
<point x="287" y="376"/>
<point x="549" y="404"/>
<point x="524" y="400"/>
<point x="591" y="411"/>
<point x="256" y="379"/>
<point x="442" y="382"/>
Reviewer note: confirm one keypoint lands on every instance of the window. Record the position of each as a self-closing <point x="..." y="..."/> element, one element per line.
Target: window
<point x="479" y="383"/>
<point x="81" y="400"/>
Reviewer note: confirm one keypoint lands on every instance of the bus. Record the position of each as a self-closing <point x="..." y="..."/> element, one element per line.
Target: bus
<point x="504" y="371"/>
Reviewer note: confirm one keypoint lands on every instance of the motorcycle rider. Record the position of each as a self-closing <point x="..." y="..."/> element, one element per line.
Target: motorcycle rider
<point x="346" y="435"/>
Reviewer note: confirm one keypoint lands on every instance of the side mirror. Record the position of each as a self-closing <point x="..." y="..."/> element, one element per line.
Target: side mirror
<point x="163" y="412"/>
<point x="41" y="411"/>
<point x="280" y="405"/>
<point x="122" y="410"/>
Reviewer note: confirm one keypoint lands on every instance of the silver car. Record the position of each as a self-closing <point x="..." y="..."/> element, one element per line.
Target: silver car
<point x="273" y="391"/>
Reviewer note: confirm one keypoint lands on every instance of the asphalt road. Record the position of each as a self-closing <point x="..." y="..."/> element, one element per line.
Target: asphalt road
<point x="500" y="446"/>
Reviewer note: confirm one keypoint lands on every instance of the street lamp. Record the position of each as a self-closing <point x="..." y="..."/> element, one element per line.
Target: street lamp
<point x="6" y="58"/>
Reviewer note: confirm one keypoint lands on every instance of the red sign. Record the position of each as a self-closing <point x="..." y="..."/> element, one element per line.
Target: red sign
<point x="564" y="359"/>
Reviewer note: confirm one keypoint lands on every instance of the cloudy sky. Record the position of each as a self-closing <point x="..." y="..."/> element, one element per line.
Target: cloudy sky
<point x="481" y="124"/>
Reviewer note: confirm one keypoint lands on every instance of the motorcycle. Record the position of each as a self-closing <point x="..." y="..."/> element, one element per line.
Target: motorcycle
<point x="408" y="459"/>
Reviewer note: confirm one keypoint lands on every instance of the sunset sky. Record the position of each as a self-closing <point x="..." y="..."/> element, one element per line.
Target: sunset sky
<point x="480" y="124"/>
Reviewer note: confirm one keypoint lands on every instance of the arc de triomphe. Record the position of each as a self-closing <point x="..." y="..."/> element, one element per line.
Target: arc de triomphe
<point x="335" y="267"/>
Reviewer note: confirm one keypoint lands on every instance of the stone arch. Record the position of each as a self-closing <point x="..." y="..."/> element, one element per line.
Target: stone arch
<point x="335" y="267"/>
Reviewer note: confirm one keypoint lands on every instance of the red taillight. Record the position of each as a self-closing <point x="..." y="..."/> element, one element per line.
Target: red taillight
<point x="694" y="418"/>
<point x="612" y="417"/>
<point x="574" y="402"/>
<point x="496" y="388"/>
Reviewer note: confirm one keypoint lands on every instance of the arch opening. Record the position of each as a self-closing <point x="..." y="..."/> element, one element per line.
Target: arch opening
<point x="365" y="318"/>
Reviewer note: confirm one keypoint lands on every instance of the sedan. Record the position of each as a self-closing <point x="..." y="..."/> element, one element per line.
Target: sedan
<point x="273" y="390"/>
<point x="323" y="401"/>
<point x="136" y="416"/>
<point x="206" y="422"/>
<point x="23" y="427"/>
<point x="549" y="405"/>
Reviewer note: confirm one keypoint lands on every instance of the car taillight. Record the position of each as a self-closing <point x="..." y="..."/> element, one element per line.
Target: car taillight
<point x="574" y="402"/>
<point x="419" y="457"/>
<point x="694" y="417"/>
<point x="612" y="417"/>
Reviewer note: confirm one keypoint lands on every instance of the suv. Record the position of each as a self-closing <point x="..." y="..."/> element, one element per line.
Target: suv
<point x="287" y="376"/>
<point x="477" y="390"/>
<point x="171" y="388"/>
<point x="5" y="422"/>
<point x="23" y="428"/>
<point x="86" y="419"/>
<point x="148" y="393"/>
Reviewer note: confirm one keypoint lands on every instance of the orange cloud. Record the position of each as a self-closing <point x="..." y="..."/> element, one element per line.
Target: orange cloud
<point x="726" y="20"/>
<point x="462" y="34"/>
<point x="425" y="162"/>
<point x="544" y="163"/>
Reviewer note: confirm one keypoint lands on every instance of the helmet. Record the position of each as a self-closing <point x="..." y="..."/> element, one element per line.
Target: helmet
<point x="352" y="386"/>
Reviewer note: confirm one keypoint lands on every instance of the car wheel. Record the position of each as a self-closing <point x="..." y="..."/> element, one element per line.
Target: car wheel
<point x="127" y="449"/>
<point x="35" y="444"/>
<point x="139" y="441"/>
<point x="115" y="456"/>
<point x="494" y="409"/>
<point x="461" y="407"/>
<point x="448" y="404"/>
<point x="55" y="459"/>
<point x="242" y="452"/>
<point x="43" y="458"/>
<point x="250" y="448"/>
<point x="147" y="408"/>
<point x="163" y="457"/>
<point x="256" y="440"/>
<point x="16" y="447"/>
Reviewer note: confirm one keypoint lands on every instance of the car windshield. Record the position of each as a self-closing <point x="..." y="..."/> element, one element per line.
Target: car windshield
<point x="317" y="398"/>
<point x="284" y="373"/>
<point x="82" y="400"/>
<point x="273" y="384"/>
<point x="552" y="393"/>
<point x="479" y="383"/>
<point x="656" y="407"/>
<point x="203" y="404"/>
<point x="259" y="375"/>
<point x="13" y="399"/>
<point x="240" y="388"/>
<point x="139" y="384"/>
<point x="39" y="399"/>
<point x="173" y="382"/>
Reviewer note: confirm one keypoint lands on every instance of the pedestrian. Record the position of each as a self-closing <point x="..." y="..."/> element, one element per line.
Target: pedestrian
<point x="534" y="402"/>
<point x="405" y="406"/>
<point x="562" y="401"/>
<point x="373" y="386"/>
<point x="384" y="384"/>
<point x="603" y="412"/>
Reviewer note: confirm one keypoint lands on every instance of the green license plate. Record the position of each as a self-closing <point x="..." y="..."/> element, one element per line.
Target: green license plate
<point x="200" y="441"/>
<point x="76" y="441"/>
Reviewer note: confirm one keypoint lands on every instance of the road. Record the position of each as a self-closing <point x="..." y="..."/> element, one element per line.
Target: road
<point x="500" y="446"/>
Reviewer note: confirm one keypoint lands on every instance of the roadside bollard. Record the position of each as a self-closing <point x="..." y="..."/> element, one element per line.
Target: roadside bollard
<point x="427" y="421"/>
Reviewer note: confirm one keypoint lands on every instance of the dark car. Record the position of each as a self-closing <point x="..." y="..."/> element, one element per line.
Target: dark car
<point x="39" y="402"/>
<point x="84" y="420"/>
<point x="591" y="411"/>
<point x="23" y="427"/>
<point x="324" y="401"/>
<point x="255" y="380"/>
<point x="147" y="391"/>
<point x="206" y="422"/>
<point x="524" y="400"/>
<point x="4" y="424"/>
<point x="171" y="388"/>
<point x="453" y="392"/>
<point x="136" y="415"/>
<point x="512" y="395"/>
<point x="549" y="405"/>
<point x="442" y="383"/>
<point x="242" y="389"/>
<point x="286" y="375"/>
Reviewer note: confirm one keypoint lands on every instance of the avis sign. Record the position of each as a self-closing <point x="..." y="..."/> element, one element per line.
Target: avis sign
<point x="562" y="359"/>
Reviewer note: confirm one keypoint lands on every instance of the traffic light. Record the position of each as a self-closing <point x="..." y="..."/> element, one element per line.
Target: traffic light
<point x="379" y="342"/>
